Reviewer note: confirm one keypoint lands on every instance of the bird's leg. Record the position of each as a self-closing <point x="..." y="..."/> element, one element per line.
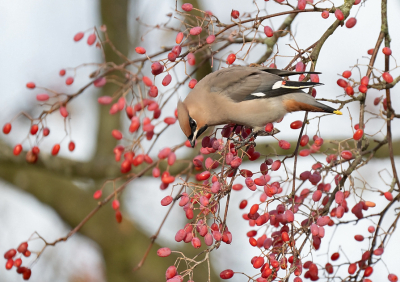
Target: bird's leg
<point x="242" y="143"/>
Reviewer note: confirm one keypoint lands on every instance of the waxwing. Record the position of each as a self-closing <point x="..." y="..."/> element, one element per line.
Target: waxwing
<point x="248" y="96"/>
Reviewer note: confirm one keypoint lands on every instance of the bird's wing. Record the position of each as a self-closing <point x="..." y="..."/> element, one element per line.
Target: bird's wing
<point x="247" y="83"/>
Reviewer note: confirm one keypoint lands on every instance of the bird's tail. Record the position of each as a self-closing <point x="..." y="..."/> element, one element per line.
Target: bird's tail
<point x="304" y="102"/>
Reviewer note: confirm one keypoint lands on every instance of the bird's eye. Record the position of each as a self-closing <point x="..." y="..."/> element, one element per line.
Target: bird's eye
<point x="192" y="122"/>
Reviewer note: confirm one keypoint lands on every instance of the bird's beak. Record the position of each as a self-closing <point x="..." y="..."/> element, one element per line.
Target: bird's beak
<point x="193" y="140"/>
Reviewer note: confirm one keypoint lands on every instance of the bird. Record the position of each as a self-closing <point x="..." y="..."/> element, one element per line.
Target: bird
<point x="247" y="96"/>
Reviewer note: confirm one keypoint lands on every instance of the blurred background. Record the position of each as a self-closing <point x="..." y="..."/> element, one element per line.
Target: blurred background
<point x="54" y="195"/>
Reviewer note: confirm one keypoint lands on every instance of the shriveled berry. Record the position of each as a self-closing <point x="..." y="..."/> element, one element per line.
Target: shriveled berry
<point x="163" y="252"/>
<point x="195" y="30"/>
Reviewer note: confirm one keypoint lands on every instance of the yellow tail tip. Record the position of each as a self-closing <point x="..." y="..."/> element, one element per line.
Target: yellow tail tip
<point x="337" y="112"/>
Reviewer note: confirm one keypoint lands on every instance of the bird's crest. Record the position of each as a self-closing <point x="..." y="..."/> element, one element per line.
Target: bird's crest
<point x="183" y="118"/>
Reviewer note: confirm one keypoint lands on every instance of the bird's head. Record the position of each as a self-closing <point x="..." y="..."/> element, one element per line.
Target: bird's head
<point x="192" y="121"/>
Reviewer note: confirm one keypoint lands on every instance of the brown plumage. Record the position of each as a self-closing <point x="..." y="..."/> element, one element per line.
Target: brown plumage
<point x="250" y="96"/>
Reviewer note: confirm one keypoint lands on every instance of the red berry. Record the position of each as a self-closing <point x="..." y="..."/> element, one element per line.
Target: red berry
<point x="118" y="216"/>
<point x="7" y="128"/>
<point x="235" y="14"/>
<point x="393" y="278"/>
<point x="97" y="194"/>
<point x="351" y="22"/>
<point x="10" y="253"/>
<point x="301" y="5"/>
<point x="9" y="264"/>
<point x="325" y="14"/>
<point x="147" y="81"/>
<point x="62" y="72"/>
<point x="116" y="134"/>
<point x="30" y="85"/>
<point x="226" y="274"/>
<point x="368" y="271"/>
<point x="55" y="150"/>
<point x="140" y="50"/>
<point x="284" y="144"/>
<point x="387" y="51"/>
<point x="347" y="155"/>
<point x="191" y="59"/>
<point x="359" y="238"/>
<point x="163" y="252"/>
<point x="335" y="256"/>
<point x="179" y="38"/>
<point x="388" y="196"/>
<point x="364" y="80"/>
<point x="166" y="200"/>
<point x="78" y="36"/>
<point x="300" y="67"/>
<point x="346" y="74"/>
<point x="285" y="236"/>
<point x="71" y="146"/>
<point x="115" y="204"/>
<point x="304" y="140"/>
<point x="352" y="268"/>
<point x="69" y="80"/>
<point x="172" y="56"/>
<point x="153" y="91"/>
<point x="339" y="15"/>
<point x="187" y="7"/>
<point x="349" y="90"/>
<point x="18" y="262"/>
<point x="192" y="83"/>
<point x="296" y="124"/>
<point x="269" y="127"/>
<point x="358" y="134"/>
<point x="46" y="131"/>
<point x="167" y="80"/>
<point x="63" y="111"/>
<point x="387" y="77"/>
<point x="243" y="204"/>
<point x="156" y="68"/>
<point x="363" y="88"/>
<point x="314" y="78"/>
<point x="42" y="97"/>
<point x="210" y="39"/>
<point x="268" y="31"/>
<point x="35" y="150"/>
<point x="23" y="247"/>
<point x="370" y="51"/>
<point x="17" y="149"/>
<point x="91" y="39"/>
<point x="231" y="59"/>
<point x="342" y="83"/>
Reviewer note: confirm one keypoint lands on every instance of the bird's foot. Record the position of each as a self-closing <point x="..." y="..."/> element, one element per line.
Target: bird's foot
<point x="265" y="133"/>
<point x="246" y="141"/>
